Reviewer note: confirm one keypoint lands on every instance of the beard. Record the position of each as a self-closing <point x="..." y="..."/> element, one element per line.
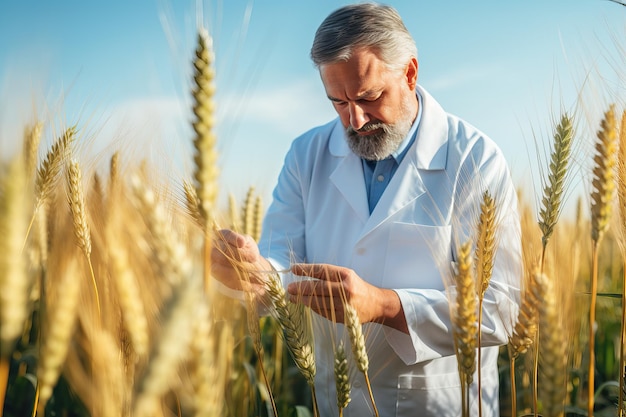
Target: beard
<point x="381" y="144"/>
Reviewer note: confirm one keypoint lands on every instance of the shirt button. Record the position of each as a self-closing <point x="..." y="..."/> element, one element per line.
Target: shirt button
<point x="380" y="178"/>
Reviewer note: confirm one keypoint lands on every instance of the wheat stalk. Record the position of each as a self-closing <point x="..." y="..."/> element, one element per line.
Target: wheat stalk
<point x="601" y="207"/>
<point x="255" y="334"/>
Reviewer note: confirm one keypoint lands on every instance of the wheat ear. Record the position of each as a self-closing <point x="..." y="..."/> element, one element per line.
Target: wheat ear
<point x="553" y="348"/>
<point x="192" y="203"/>
<point x="557" y="174"/>
<point x="300" y="347"/>
<point x="208" y="367"/>
<point x="524" y="334"/>
<point x="79" y="217"/>
<point x="525" y="327"/>
<point x="485" y="254"/>
<point x="49" y="169"/>
<point x="169" y="253"/>
<point x="359" y="351"/>
<point x="205" y="156"/>
<point x="602" y="196"/>
<point x="59" y="326"/>
<point x="48" y="172"/>
<point x="129" y="294"/>
<point x="464" y="320"/>
<point x="170" y="349"/>
<point x="247" y="213"/>
<point x="32" y="139"/>
<point x="297" y="331"/>
<point x="603" y="175"/>
<point x="342" y="378"/>
<point x="15" y="282"/>
<point x="621" y="198"/>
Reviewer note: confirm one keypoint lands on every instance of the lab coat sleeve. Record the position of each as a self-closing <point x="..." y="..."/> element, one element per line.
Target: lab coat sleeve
<point x="428" y="311"/>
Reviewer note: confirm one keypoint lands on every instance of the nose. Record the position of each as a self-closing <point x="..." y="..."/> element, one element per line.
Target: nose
<point x="358" y="116"/>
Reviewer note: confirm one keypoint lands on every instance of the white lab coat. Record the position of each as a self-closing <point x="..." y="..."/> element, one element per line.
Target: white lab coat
<point x="319" y="214"/>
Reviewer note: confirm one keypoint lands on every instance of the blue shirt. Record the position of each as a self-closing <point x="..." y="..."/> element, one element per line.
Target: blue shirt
<point x="377" y="174"/>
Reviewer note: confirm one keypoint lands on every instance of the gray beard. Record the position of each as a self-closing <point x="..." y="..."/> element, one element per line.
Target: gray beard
<point x="380" y="145"/>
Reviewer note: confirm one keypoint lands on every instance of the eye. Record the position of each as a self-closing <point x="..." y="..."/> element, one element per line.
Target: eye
<point x="339" y="103"/>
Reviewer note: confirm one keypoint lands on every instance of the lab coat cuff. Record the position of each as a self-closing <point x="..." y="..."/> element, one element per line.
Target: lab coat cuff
<point x="404" y="344"/>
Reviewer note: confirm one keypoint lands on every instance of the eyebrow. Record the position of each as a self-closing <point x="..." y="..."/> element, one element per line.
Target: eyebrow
<point x="362" y="96"/>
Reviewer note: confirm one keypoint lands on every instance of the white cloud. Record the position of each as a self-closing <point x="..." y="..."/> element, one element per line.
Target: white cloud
<point x="288" y="110"/>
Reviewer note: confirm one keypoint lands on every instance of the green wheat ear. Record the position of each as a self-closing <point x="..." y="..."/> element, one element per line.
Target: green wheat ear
<point x="553" y="190"/>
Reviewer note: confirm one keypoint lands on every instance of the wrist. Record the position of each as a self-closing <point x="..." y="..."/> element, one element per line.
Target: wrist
<point x="392" y="313"/>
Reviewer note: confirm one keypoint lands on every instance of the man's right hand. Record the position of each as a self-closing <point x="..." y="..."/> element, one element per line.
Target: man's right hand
<point x="237" y="263"/>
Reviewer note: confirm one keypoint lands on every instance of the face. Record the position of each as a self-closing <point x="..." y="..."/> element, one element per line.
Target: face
<point x="376" y="105"/>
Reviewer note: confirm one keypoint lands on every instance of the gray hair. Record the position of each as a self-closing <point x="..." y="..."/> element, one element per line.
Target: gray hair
<point x="368" y="25"/>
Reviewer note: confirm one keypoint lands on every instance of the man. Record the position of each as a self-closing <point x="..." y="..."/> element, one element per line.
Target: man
<point x="376" y="203"/>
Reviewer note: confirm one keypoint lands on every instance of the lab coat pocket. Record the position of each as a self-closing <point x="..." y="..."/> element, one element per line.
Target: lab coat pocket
<point x="417" y="255"/>
<point x="429" y="395"/>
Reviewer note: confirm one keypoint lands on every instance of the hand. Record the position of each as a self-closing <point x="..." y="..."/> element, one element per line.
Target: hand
<point x="335" y="285"/>
<point x="236" y="261"/>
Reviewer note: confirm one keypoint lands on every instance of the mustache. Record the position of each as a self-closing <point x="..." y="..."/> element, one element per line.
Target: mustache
<point x="368" y="127"/>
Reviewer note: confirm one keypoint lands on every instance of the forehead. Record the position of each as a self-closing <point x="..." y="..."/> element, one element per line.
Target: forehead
<point x="364" y="71"/>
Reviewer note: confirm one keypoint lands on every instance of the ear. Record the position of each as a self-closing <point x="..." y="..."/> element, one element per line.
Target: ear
<point x="411" y="73"/>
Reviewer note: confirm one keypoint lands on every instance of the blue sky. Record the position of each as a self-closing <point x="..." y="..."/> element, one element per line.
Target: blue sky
<point x="121" y="70"/>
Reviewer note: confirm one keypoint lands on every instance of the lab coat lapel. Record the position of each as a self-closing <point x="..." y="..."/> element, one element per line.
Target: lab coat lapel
<point x="348" y="175"/>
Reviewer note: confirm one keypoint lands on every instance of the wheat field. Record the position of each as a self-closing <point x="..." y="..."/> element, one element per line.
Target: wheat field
<point x="108" y="308"/>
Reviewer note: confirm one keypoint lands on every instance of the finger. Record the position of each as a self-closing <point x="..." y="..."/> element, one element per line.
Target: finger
<point x="315" y="288"/>
<point x="323" y="272"/>
<point x="324" y="307"/>
<point x="230" y="238"/>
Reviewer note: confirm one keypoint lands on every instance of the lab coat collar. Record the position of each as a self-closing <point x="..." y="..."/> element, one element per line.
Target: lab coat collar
<point x="429" y="152"/>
